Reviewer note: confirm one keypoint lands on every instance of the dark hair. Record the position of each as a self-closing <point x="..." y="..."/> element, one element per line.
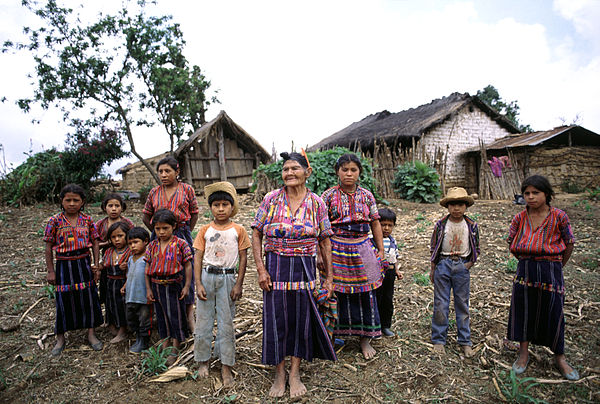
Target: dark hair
<point x="348" y="158"/>
<point x="220" y="196"/>
<point x="139" y="233"/>
<point x="72" y="189"/>
<point x="171" y="161"/>
<point x="458" y="202"/>
<point x="300" y="159"/>
<point x="387" y="214"/>
<point x="164" y="216"/>
<point x="539" y="182"/>
<point x="114" y="196"/>
<point x="117" y="225"/>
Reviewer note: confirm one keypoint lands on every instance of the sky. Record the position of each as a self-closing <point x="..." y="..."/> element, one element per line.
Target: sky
<point x="302" y="70"/>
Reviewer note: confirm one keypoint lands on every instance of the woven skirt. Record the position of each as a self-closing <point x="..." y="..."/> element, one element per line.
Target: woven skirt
<point x="357" y="315"/>
<point x="356" y="266"/>
<point x="536" y="306"/>
<point x="77" y="303"/>
<point x="170" y="311"/>
<point x="292" y="325"/>
<point x="115" y="303"/>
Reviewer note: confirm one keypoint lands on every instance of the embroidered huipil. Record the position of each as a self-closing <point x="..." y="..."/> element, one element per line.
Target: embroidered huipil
<point x="437" y="237"/>
<point x="167" y="262"/>
<point x="102" y="227"/>
<point x="111" y="264"/>
<point x="67" y="237"/>
<point x="182" y="203"/>
<point x="289" y="234"/>
<point x="547" y="242"/>
<point x="350" y="213"/>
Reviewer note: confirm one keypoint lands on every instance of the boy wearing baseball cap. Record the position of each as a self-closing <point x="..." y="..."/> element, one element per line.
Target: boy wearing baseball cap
<point x="454" y="250"/>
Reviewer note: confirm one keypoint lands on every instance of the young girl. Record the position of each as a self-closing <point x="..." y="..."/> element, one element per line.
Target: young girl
<point x="357" y="269"/>
<point x="115" y="262"/>
<point x="541" y="238"/>
<point x="113" y="205"/>
<point x="180" y="199"/>
<point x="70" y="234"/>
<point x="168" y="278"/>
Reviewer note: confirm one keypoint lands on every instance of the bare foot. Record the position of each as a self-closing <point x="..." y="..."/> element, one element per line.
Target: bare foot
<point x="468" y="351"/>
<point x="367" y="350"/>
<point x="93" y="339"/>
<point x="203" y="369"/>
<point x="226" y="375"/>
<point x="297" y="388"/>
<point x="278" y="387"/>
<point x="121" y="336"/>
<point x="522" y="361"/>
<point x="113" y="330"/>
<point x="439" y="349"/>
<point x="563" y="366"/>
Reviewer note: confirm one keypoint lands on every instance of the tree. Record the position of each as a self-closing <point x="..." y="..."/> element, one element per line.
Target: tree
<point x="120" y="68"/>
<point x="510" y="109"/>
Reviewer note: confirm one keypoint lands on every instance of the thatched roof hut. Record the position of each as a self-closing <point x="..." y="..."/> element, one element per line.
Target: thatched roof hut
<point x="220" y="150"/>
<point x="400" y="127"/>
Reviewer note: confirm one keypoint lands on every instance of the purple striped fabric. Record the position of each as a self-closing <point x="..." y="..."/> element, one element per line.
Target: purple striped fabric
<point x="170" y="311"/>
<point x="292" y="325"/>
<point x="536" y="306"/>
<point x="76" y="308"/>
<point x="115" y="303"/>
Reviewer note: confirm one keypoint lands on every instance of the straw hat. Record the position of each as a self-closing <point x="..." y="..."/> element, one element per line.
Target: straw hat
<point x="457" y="194"/>
<point x="223" y="186"/>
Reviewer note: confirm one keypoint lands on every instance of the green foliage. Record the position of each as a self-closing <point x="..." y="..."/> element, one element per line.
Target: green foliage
<point x="144" y="191"/>
<point x="585" y="204"/>
<point x="422" y="279"/>
<point x="50" y="291"/>
<point x="510" y="109"/>
<point x="571" y="187"/>
<point x="510" y="265"/>
<point x="516" y="390"/>
<point x="323" y="176"/>
<point x="155" y="360"/>
<point x="43" y="174"/>
<point x="417" y="182"/>
<point x="590" y="263"/>
<point x="593" y="194"/>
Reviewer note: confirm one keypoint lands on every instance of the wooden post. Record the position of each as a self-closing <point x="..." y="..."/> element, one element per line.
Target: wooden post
<point x="222" y="166"/>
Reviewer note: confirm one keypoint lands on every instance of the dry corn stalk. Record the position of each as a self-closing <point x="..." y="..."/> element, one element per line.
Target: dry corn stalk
<point x="175" y="373"/>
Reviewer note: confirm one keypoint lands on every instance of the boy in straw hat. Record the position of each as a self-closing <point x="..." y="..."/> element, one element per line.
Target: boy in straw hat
<point x="454" y="249"/>
<point x="220" y="253"/>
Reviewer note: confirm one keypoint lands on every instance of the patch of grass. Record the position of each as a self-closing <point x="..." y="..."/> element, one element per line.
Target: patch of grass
<point x="50" y="291"/>
<point x="590" y="263"/>
<point x="474" y="216"/>
<point x="585" y="204"/>
<point x="422" y="279"/>
<point x="516" y="390"/>
<point x="510" y="266"/>
<point x="420" y="217"/>
<point x="2" y="216"/>
<point x="592" y="194"/>
<point x="207" y="214"/>
<point x="571" y="187"/>
<point x="155" y="361"/>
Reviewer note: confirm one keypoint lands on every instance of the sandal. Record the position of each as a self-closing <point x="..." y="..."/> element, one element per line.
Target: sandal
<point x="56" y="351"/>
<point x="573" y="375"/>
<point x="519" y="369"/>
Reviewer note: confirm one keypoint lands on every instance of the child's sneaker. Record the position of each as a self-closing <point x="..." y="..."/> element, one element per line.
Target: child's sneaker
<point x="386" y="332"/>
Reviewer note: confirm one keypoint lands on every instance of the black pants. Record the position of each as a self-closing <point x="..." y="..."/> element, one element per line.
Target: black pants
<point x="385" y="298"/>
<point x="138" y="318"/>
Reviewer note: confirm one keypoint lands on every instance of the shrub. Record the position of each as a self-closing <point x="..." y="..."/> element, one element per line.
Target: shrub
<point x="417" y="182"/>
<point x="593" y="194"/>
<point x="155" y="360"/>
<point x="323" y="176"/>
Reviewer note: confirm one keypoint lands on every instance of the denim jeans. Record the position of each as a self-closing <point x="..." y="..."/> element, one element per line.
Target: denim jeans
<point x="218" y="287"/>
<point x="450" y="274"/>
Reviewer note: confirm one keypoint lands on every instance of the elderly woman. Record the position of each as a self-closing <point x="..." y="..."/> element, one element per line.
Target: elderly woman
<point x="292" y="221"/>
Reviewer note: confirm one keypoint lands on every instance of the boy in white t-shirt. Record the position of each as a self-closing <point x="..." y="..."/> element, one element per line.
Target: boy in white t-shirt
<point x="221" y="251"/>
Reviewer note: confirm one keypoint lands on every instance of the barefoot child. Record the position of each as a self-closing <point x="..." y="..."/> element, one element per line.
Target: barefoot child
<point x="385" y="293"/>
<point x="221" y="251"/>
<point x="114" y="206"/>
<point x="70" y="234"/>
<point x="115" y="262"/>
<point x="454" y="250"/>
<point x="168" y="276"/>
<point x="136" y="308"/>
<point x="541" y="238"/>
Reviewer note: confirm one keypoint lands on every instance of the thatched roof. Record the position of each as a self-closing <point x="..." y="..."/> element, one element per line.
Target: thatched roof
<point x="559" y="136"/>
<point x="231" y="130"/>
<point x="414" y="122"/>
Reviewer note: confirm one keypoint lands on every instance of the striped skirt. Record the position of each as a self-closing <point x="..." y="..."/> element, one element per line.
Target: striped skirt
<point x="536" y="306"/>
<point x="77" y="304"/>
<point x="356" y="266"/>
<point x="292" y="325"/>
<point x="170" y="311"/>
<point x="357" y="315"/>
<point x="115" y="303"/>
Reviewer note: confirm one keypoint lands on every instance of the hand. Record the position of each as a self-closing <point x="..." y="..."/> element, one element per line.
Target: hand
<point x="399" y="274"/>
<point x="328" y="285"/>
<point x="264" y="281"/>
<point x="468" y="265"/>
<point x="123" y="265"/>
<point x="123" y="290"/>
<point x="150" y="296"/>
<point x="431" y="272"/>
<point x="200" y="291"/>
<point x="381" y="255"/>
<point x="320" y="264"/>
<point x="184" y="292"/>
<point x="51" y="277"/>
<point x="236" y="292"/>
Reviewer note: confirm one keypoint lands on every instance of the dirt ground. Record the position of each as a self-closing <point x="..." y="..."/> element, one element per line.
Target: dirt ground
<point x="404" y="369"/>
